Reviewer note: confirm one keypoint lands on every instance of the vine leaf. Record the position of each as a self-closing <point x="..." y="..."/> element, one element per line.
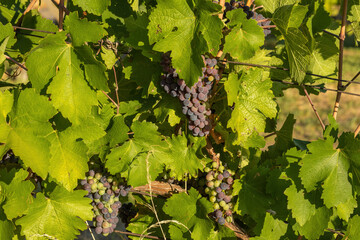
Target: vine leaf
<point x="273" y="229"/>
<point x="221" y="233"/>
<point x="247" y="35"/>
<point x="301" y="208"/>
<point x="179" y="148"/>
<point x="63" y="212"/>
<point x="187" y="30"/>
<point x="193" y="213"/>
<point x="70" y="93"/>
<point x="96" y="7"/>
<point x="353" y="228"/>
<point x="68" y="161"/>
<point x="272" y="5"/>
<point x="251" y="93"/>
<point x="315" y="227"/>
<point x="324" y="163"/>
<point x="145" y="149"/>
<point x="81" y="30"/>
<point x="6" y="227"/>
<point x="30" y="143"/>
<point x="354" y="17"/>
<point x="16" y="191"/>
<point x="288" y="20"/>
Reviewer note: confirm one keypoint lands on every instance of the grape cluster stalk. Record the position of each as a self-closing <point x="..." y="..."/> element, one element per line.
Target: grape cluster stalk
<point x="219" y="187"/>
<point x="232" y="5"/>
<point x="193" y="99"/>
<point x="104" y="193"/>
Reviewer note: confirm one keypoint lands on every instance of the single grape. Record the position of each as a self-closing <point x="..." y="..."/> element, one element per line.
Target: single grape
<point x="92" y="173"/>
<point x="98" y="230"/>
<point x="218" y="213"/>
<point x="99" y="218"/>
<point x="224" y="186"/>
<point x="221" y="221"/>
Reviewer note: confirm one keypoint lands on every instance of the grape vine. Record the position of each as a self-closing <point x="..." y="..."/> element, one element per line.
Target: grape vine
<point x="160" y="119"/>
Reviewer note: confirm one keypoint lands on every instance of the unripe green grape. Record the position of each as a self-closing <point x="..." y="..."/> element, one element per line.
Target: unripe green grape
<point x="110" y="179"/>
<point x="116" y="199"/>
<point x="98" y="176"/>
<point x="100" y="185"/>
<point x="96" y="200"/>
<point x="111" y="201"/>
<point x="102" y="192"/>
<point x="229" y="219"/>
<point x="215" y="165"/>
<point x="94" y="187"/>
<point x="210" y="184"/>
<point x="110" y="210"/>
<point x="222" y="203"/>
<point x="217" y="183"/>
<point x="226" y="207"/>
<point x="221" y="168"/>
<point x="207" y="190"/>
<point x="212" y="199"/>
<point x="216" y="206"/>
<point x="207" y="169"/>
<point x="89" y="177"/>
<point x="213" y="193"/>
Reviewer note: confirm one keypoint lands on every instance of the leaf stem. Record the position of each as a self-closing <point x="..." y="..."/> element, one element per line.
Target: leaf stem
<point x="313" y="107"/>
<point x="332" y="34"/>
<point x="352" y="80"/>
<point x="341" y="57"/>
<point x="110" y="98"/>
<point x="116" y="91"/>
<point x="16" y="62"/>
<point x="31" y="29"/>
<point x="336" y="232"/>
<point x="67" y="12"/>
<point x="268" y="26"/>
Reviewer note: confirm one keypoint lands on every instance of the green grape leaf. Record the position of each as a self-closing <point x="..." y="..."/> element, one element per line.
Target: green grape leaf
<point x="324" y="56"/>
<point x="221" y="234"/>
<point x="247" y="35"/>
<point x="272" y="5"/>
<point x="354" y="17"/>
<point x="141" y="157"/>
<point x="63" y="212"/>
<point x="96" y="7"/>
<point x="353" y="228"/>
<point x="6" y="103"/>
<point x="68" y="161"/>
<point x="81" y="30"/>
<point x="288" y="20"/>
<point x="29" y="127"/>
<point x="182" y="156"/>
<point x="251" y="93"/>
<point x="2" y="50"/>
<point x="145" y="73"/>
<point x="315" y="227"/>
<point x="6" y="227"/>
<point x="193" y="214"/>
<point x="17" y="192"/>
<point x="118" y="131"/>
<point x="138" y="33"/>
<point x="187" y="30"/>
<point x="70" y="93"/>
<point x="7" y="31"/>
<point x="320" y="18"/>
<point x="344" y="210"/>
<point x="25" y="42"/>
<point x="324" y="163"/>
<point x="301" y="208"/>
<point x="273" y="229"/>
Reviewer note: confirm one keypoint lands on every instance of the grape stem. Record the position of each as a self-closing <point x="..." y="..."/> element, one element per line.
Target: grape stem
<point x="314" y="108"/>
<point x="116" y="91"/>
<point x="33" y="30"/>
<point x="61" y="14"/>
<point x="16" y="62"/>
<point x="67" y="12"/>
<point x="341" y="57"/>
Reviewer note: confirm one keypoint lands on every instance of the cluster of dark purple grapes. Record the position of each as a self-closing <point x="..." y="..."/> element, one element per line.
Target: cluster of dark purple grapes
<point x="105" y="193"/>
<point x="193" y="99"/>
<point x="219" y="187"/>
<point x="236" y="5"/>
<point x="261" y="22"/>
